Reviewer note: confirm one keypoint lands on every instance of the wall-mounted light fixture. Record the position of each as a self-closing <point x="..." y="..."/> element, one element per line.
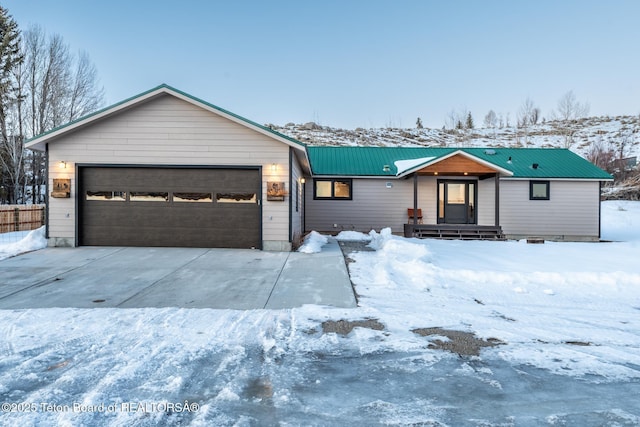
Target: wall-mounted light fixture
<point x="62" y="164"/>
<point x="435" y="173"/>
<point x="302" y="180"/>
<point x="274" y="167"/>
<point x="389" y="185"/>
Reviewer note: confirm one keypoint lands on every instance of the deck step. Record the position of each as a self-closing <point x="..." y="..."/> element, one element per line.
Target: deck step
<point x="451" y="232"/>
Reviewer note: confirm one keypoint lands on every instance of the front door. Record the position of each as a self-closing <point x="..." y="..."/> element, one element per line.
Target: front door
<point x="456" y="202"/>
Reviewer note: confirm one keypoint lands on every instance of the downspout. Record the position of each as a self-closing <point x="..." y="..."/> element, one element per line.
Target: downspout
<point x="46" y="191"/>
<point x="497" y="200"/>
<point x="415" y="200"/>
<point x="304" y="208"/>
<point x="599" y="210"/>
<point x="291" y="188"/>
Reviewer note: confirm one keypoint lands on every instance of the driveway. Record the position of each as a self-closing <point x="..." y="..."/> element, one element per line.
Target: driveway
<point x="87" y="277"/>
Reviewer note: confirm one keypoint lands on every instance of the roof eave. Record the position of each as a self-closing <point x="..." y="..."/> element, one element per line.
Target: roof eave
<point x="559" y="178"/>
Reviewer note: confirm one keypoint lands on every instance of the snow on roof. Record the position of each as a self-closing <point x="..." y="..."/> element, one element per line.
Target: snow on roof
<point x="405" y="165"/>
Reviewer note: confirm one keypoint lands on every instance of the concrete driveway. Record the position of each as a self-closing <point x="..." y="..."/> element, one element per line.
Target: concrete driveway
<point x="88" y="277"/>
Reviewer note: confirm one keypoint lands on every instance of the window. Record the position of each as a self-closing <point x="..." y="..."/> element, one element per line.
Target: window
<point x="117" y="196"/>
<point x="193" y="197"/>
<point x="332" y="189"/>
<point x="148" y="196"/>
<point x="538" y="190"/>
<point x="236" y="198"/>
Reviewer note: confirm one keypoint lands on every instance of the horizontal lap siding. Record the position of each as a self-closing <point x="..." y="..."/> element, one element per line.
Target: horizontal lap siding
<point x="486" y="202"/>
<point x="169" y="131"/>
<point x="573" y="209"/>
<point x="374" y="206"/>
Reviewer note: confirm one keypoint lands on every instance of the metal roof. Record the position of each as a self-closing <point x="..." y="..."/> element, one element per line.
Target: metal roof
<point x="514" y="162"/>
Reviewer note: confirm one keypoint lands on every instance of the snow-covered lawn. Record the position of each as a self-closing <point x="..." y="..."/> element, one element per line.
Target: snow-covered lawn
<point x="561" y="321"/>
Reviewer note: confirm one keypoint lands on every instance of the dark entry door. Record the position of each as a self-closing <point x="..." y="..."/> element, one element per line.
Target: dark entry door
<point x="180" y="207"/>
<point x="457" y="202"/>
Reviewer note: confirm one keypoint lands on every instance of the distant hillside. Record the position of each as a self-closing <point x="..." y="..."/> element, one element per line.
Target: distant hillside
<point x="579" y="135"/>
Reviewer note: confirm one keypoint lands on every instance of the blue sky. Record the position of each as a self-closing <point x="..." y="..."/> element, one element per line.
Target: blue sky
<point x="358" y="63"/>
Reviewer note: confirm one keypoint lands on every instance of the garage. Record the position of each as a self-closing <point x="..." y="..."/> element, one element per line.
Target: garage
<point x="169" y="206"/>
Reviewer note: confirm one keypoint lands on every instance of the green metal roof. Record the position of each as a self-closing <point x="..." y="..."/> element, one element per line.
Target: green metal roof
<point x="380" y="161"/>
<point x="167" y="89"/>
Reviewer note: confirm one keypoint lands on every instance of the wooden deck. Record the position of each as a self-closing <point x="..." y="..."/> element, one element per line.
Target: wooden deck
<point x="453" y="232"/>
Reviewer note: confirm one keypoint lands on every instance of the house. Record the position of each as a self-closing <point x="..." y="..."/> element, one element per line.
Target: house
<point x="164" y="168"/>
<point x="516" y="192"/>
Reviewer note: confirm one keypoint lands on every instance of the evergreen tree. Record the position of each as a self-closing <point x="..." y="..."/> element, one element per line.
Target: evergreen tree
<point x="419" y="123"/>
<point x="469" y="123"/>
<point x="11" y="148"/>
<point x="10" y="57"/>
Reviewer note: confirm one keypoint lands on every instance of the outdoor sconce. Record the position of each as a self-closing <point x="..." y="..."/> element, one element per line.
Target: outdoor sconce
<point x="274" y="167"/>
<point x="302" y="180"/>
<point x="62" y="164"/>
<point x="389" y="185"/>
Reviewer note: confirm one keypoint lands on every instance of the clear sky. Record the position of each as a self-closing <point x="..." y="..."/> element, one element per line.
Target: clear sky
<point x="352" y="63"/>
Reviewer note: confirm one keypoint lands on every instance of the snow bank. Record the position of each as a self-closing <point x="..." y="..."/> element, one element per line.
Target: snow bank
<point x="31" y="242"/>
<point x="353" y="236"/>
<point x="313" y="243"/>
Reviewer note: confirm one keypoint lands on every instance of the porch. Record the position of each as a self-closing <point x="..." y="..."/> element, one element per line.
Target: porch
<point x="460" y="193"/>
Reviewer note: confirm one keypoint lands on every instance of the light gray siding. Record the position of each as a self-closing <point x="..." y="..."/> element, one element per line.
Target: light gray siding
<point x="571" y="213"/>
<point x="486" y="202"/>
<point x="374" y="206"/>
<point x="169" y="131"/>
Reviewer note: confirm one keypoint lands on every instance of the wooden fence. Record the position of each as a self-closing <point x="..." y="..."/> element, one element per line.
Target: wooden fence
<point x="21" y="217"/>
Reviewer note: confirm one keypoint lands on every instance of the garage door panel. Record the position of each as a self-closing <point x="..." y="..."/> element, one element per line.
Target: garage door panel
<point x="178" y="221"/>
<point x="188" y="237"/>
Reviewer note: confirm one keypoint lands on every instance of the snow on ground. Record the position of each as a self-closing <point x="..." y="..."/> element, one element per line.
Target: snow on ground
<point x="12" y="244"/>
<point x="313" y="243"/>
<point x="621" y="220"/>
<point x="608" y="131"/>
<point x="566" y="315"/>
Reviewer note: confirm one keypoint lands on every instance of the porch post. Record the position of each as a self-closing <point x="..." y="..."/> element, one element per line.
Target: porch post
<point x="497" y="200"/>
<point x="415" y="199"/>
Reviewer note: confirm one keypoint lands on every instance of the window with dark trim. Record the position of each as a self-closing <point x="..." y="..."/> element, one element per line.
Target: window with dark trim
<point x="332" y="189"/>
<point x="538" y="190"/>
